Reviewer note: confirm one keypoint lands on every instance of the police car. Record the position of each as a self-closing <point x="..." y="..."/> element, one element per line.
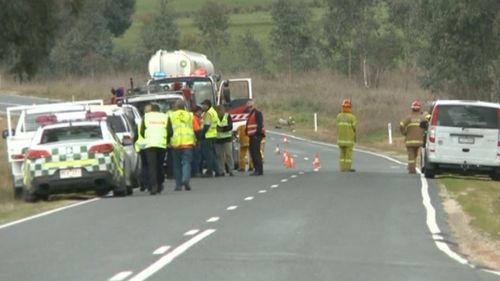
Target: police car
<point x="75" y="152"/>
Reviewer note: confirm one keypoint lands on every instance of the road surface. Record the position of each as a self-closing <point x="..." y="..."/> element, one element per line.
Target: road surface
<point x="10" y="99"/>
<point x="290" y="224"/>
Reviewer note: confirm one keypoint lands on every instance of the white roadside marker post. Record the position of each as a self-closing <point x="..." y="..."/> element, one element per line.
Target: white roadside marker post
<point x="389" y="129"/>
<point x="315" y="122"/>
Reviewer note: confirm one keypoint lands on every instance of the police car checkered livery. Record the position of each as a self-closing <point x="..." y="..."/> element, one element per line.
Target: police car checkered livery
<point x="75" y="156"/>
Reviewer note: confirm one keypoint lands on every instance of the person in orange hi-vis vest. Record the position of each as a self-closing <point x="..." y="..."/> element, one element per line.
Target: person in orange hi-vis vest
<point x="255" y="131"/>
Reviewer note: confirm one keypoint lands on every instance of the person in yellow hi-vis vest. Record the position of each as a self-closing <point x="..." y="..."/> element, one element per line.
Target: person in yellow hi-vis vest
<point x="181" y="127"/>
<point x="414" y="134"/>
<point x="209" y="134"/>
<point x="154" y="132"/>
<point x="140" y="146"/>
<point x="346" y="135"/>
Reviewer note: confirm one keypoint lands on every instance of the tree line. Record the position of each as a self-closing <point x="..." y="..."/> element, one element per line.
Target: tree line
<point x="452" y="45"/>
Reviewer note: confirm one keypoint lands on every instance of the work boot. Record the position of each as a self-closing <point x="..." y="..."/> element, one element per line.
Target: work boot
<point x="187" y="186"/>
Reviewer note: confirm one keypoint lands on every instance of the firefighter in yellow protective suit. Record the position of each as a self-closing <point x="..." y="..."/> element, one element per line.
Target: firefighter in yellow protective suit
<point x="346" y="135"/>
<point x="414" y="134"/>
<point x="244" y="146"/>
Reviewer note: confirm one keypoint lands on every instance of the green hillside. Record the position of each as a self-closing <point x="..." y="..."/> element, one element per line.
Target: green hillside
<point x="245" y="15"/>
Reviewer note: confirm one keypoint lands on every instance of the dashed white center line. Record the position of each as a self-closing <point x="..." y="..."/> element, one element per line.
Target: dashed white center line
<point x="168" y="258"/>
<point x="230" y="208"/>
<point x="306" y="158"/>
<point x="249" y="198"/>
<point x="295" y="155"/>
<point x="274" y="186"/>
<point x="121" y="276"/>
<point x="284" y="180"/>
<point x="262" y="191"/>
<point x="162" y="250"/>
<point x="191" y="232"/>
<point x="301" y="173"/>
<point x="316" y="170"/>
<point x="213" y="219"/>
<point x="293" y="176"/>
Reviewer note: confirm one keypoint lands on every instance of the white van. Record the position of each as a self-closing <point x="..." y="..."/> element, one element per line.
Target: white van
<point x="463" y="136"/>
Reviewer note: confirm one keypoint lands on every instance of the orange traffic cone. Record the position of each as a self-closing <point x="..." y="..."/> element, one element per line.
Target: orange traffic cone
<point x="292" y="163"/>
<point x="285" y="158"/>
<point x="316" y="162"/>
<point x="277" y="150"/>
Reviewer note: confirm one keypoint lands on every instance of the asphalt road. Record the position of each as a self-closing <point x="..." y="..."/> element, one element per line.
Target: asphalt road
<point x="290" y="224"/>
<point x="9" y="99"/>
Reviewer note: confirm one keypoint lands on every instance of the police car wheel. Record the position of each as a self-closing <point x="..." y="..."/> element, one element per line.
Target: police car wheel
<point x="29" y="196"/>
<point x="101" y="192"/>
<point x="120" y="193"/>
<point x="130" y="190"/>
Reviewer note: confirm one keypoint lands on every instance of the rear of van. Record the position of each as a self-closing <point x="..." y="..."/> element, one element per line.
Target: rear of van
<point x="464" y="136"/>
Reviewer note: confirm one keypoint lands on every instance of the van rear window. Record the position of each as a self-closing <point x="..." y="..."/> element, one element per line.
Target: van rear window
<point x="468" y="117"/>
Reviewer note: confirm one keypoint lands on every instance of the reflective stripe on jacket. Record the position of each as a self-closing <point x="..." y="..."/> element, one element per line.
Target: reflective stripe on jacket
<point x="183" y="129"/>
<point x="410" y="128"/>
<point x="252" y="126"/>
<point x="346" y="129"/>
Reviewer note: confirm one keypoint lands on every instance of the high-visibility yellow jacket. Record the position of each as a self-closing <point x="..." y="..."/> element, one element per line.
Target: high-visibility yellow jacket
<point x="155" y="129"/>
<point x="410" y="128"/>
<point x="224" y="123"/>
<point x="346" y="129"/>
<point x="183" y="130"/>
<point x="139" y="143"/>
<point x="211" y="118"/>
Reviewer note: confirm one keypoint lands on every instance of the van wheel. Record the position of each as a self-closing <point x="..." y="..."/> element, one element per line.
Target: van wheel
<point x="495" y="175"/>
<point x="429" y="170"/>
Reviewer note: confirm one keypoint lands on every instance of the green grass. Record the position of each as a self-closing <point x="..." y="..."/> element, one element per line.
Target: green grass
<point x="480" y="199"/>
<point x="258" y="22"/>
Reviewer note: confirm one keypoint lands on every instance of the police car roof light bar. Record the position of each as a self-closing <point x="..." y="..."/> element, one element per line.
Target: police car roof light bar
<point x="46" y="119"/>
<point x="95" y="115"/>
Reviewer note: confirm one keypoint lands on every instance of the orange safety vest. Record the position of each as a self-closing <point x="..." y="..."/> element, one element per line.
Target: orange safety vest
<point x="252" y="125"/>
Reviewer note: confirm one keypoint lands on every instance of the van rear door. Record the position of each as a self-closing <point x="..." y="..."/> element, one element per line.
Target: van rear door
<point x="467" y="133"/>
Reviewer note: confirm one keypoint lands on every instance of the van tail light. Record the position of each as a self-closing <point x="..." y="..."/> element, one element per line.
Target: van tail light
<point x="435" y="115"/>
<point x="432" y="134"/>
<point x="101" y="148"/>
<point x="34" y="154"/>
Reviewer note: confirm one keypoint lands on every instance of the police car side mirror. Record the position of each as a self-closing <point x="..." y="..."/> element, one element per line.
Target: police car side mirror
<point x="5" y="133"/>
<point x="127" y="140"/>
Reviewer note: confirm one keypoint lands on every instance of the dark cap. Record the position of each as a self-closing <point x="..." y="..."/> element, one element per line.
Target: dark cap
<point x="207" y="102"/>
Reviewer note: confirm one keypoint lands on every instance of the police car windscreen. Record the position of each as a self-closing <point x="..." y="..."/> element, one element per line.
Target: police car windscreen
<point x="74" y="133"/>
<point x="467" y="117"/>
<point x="117" y="124"/>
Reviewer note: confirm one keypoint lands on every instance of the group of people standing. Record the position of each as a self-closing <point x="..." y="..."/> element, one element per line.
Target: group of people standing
<point x="198" y="140"/>
<point x="412" y="128"/>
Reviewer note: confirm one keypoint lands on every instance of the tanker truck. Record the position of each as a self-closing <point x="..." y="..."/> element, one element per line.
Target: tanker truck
<point x="193" y="75"/>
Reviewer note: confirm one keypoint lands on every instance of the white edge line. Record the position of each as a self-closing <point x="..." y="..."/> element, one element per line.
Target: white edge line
<point x="48" y="213"/>
<point x="230" y="208"/>
<point x="121" y="276"/>
<point x="249" y="198"/>
<point x="274" y="185"/>
<point x="262" y="191"/>
<point x="162" y="250"/>
<point x="284" y="180"/>
<point x="426" y="200"/>
<point x="168" y="258"/>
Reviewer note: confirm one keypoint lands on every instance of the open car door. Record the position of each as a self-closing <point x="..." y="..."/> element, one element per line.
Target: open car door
<point x="234" y="94"/>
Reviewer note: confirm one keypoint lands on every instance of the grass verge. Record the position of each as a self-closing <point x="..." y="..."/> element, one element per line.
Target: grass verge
<point x="480" y="200"/>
